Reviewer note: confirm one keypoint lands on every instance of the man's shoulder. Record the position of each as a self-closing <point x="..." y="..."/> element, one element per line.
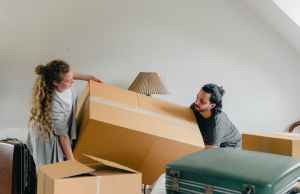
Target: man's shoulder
<point x="221" y="116"/>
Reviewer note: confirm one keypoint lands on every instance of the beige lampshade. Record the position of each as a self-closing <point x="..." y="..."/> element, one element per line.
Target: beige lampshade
<point x="148" y="83"/>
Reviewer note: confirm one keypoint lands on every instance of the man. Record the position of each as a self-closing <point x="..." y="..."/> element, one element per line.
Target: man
<point x="216" y="128"/>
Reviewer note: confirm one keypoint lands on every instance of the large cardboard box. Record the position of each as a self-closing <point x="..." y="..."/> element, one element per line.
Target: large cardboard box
<point x="137" y="131"/>
<point x="272" y="142"/>
<point x="101" y="177"/>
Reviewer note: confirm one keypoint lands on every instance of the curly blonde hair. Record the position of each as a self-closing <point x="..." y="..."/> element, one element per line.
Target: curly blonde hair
<point x="42" y="93"/>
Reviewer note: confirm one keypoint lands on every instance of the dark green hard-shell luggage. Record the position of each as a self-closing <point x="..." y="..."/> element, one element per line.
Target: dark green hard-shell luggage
<point x="232" y="171"/>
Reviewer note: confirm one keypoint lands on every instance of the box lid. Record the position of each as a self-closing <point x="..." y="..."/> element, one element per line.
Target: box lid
<point x="109" y="163"/>
<point x="65" y="169"/>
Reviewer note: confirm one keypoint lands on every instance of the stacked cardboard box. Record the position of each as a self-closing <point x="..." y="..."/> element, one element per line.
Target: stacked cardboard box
<point x="123" y="136"/>
<point x="100" y="177"/>
<point x="273" y="142"/>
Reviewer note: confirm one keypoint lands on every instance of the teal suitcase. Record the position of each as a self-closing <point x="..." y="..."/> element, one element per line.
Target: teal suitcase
<point x="232" y="171"/>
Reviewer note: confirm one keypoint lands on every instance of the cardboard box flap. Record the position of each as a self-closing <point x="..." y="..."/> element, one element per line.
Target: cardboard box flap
<point x="109" y="163"/>
<point x="66" y="169"/>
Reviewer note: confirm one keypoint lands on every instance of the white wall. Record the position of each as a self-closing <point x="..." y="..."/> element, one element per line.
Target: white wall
<point x="282" y="15"/>
<point x="291" y="8"/>
<point x="188" y="42"/>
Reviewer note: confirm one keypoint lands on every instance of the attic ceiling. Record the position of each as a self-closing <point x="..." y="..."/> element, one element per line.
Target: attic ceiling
<point x="282" y="15"/>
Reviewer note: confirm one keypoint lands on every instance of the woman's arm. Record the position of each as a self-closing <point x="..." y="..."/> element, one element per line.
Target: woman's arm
<point x="66" y="147"/>
<point x="86" y="77"/>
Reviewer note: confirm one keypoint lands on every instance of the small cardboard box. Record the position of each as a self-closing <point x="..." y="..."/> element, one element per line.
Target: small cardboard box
<point x="141" y="132"/>
<point x="273" y="142"/>
<point x="101" y="177"/>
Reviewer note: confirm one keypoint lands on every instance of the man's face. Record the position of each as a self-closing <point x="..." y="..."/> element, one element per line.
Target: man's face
<point x="202" y="103"/>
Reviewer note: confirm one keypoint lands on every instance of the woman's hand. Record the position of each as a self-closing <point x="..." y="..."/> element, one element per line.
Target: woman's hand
<point x="66" y="147"/>
<point x="96" y="79"/>
<point x="86" y="77"/>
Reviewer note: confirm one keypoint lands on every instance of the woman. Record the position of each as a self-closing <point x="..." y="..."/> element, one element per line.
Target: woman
<point x="52" y="119"/>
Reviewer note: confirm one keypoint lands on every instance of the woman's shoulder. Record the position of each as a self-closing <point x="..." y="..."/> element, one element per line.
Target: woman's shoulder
<point x="57" y="102"/>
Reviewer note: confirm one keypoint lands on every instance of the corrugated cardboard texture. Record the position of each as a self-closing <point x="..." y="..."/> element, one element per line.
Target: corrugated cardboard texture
<point x="272" y="142"/>
<point x="121" y="184"/>
<point x="81" y="185"/>
<point x="137" y="131"/>
<point x="72" y="177"/>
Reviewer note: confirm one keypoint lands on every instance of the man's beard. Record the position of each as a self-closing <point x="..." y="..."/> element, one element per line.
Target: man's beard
<point x="199" y="109"/>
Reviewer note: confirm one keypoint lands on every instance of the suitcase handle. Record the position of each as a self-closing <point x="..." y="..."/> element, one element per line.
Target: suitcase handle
<point x="249" y="189"/>
<point x="173" y="173"/>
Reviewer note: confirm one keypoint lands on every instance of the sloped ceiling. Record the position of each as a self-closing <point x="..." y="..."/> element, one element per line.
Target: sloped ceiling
<point x="281" y="17"/>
